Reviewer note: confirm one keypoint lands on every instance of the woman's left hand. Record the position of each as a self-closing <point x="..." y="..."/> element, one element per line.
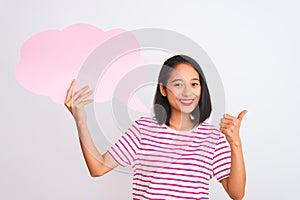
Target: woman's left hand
<point x="230" y="127"/>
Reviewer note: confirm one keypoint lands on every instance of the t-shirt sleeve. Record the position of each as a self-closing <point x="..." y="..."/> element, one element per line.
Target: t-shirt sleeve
<point x="222" y="158"/>
<point x="125" y="149"/>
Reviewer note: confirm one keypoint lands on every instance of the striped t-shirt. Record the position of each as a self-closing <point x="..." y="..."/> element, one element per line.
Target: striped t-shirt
<point x="170" y="164"/>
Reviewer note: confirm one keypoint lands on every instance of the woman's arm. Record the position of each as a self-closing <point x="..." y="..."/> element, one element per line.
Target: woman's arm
<point x="235" y="183"/>
<point x="97" y="164"/>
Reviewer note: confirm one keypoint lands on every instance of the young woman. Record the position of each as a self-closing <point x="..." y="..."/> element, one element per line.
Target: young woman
<point x="175" y="153"/>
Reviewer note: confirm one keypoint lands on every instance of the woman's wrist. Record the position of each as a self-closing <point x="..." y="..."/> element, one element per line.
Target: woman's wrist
<point x="80" y="124"/>
<point x="236" y="142"/>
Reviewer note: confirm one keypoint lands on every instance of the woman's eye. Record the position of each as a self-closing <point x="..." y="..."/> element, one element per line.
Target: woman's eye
<point x="195" y="84"/>
<point x="178" y="84"/>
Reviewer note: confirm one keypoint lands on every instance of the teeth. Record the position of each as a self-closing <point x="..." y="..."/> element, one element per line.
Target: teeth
<point x="187" y="101"/>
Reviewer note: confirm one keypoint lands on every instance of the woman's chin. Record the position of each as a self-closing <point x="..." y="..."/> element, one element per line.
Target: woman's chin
<point x="188" y="110"/>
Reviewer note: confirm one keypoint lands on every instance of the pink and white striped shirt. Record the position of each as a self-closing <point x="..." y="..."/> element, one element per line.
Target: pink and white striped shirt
<point x="170" y="164"/>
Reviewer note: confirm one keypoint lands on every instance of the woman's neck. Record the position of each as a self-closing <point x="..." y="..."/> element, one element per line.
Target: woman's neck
<point x="181" y="121"/>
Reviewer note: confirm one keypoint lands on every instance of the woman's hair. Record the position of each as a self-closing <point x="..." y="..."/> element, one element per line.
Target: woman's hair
<point x="162" y="110"/>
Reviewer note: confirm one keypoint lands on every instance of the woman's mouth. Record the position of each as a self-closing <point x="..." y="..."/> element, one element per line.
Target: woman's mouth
<point x="186" y="102"/>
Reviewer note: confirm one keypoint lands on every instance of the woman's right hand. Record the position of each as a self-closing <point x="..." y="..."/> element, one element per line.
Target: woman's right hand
<point x="75" y="103"/>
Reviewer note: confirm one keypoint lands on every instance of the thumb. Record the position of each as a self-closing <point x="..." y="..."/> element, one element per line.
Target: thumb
<point x="242" y="114"/>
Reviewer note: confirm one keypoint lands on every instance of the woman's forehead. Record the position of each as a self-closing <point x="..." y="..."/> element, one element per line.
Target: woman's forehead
<point x="184" y="71"/>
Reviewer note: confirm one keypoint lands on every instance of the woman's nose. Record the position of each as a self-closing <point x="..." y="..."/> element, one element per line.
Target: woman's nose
<point x="187" y="91"/>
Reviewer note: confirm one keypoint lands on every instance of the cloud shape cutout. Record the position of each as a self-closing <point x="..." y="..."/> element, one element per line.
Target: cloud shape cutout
<point x="51" y="59"/>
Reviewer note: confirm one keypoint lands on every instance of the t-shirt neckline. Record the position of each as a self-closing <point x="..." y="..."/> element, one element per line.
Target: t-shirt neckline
<point x="186" y="131"/>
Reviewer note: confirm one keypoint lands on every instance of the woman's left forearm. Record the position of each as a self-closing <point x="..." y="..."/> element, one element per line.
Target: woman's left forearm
<point x="235" y="184"/>
<point x="237" y="179"/>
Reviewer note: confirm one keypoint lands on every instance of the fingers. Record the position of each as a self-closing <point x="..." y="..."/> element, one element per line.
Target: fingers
<point x="79" y="92"/>
<point x="68" y="99"/>
<point x="229" y="121"/>
<point x="226" y="129"/>
<point x="82" y="96"/>
<point x="227" y="126"/>
<point x="77" y="98"/>
<point x="230" y="117"/>
<point x="227" y="116"/>
<point x="69" y="92"/>
<point x="242" y="114"/>
<point x="82" y="103"/>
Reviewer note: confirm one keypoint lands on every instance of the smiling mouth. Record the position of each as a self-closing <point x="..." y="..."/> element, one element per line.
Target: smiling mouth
<point x="186" y="102"/>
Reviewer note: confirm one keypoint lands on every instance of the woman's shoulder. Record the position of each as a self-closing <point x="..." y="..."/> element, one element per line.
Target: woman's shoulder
<point x="146" y="121"/>
<point x="210" y="128"/>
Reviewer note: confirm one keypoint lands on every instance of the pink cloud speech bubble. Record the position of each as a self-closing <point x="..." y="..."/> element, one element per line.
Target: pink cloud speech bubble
<point x="51" y="59"/>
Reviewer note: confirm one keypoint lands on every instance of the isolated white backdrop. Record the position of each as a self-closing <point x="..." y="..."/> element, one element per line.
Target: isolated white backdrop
<point x="253" y="44"/>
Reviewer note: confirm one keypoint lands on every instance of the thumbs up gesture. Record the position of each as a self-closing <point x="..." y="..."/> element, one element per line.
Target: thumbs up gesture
<point x="230" y="127"/>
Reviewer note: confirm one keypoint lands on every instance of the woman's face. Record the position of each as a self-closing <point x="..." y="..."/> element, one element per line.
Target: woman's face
<point x="183" y="88"/>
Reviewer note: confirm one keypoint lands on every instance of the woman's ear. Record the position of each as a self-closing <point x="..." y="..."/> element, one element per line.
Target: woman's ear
<point x="162" y="90"/>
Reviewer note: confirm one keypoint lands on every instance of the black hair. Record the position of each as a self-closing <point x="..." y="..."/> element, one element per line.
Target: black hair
<point x="162" y="110"/>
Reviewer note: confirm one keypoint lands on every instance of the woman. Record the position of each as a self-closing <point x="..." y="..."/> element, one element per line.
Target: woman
<point x="175" y="153"/>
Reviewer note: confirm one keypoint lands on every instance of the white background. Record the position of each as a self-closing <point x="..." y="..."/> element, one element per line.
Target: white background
<point x="253" y="44"/>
